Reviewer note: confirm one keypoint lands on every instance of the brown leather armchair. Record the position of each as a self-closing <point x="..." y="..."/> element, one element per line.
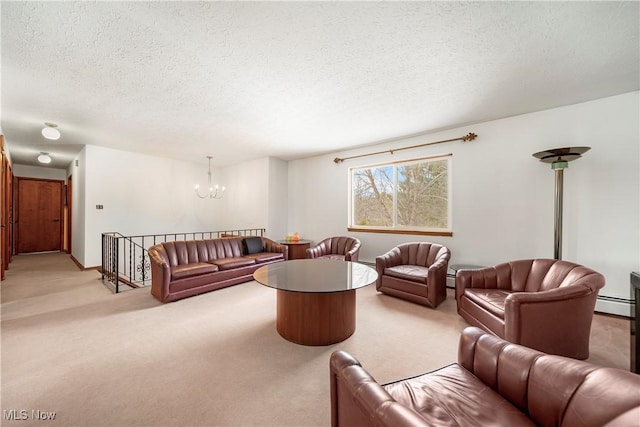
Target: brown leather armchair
<point x="343" y="248"/>
<point x="494" y="383"/>
<point x="415" y="271"/>
<point x="545" y="304"/>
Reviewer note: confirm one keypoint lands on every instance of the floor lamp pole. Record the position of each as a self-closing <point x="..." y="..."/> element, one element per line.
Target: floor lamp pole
<point x="557" y="243"/>
<point x="559" y="159"/>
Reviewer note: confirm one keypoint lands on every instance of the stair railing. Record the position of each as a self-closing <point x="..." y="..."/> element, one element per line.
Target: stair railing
<point x="125" y="261"/>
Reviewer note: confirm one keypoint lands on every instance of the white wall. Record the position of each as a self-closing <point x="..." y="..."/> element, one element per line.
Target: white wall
<point x="278" y="220"/>
<point x="503" y="197"/>
<point x="247" y="195"/>
<point x="257" y="196"/>
<point x="141" y="194"/>
<point x="25" y="171"/>
<point x="78" y="211"/>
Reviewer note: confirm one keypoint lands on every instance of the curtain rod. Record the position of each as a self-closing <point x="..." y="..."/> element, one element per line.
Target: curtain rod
<point x="469" y="137"/>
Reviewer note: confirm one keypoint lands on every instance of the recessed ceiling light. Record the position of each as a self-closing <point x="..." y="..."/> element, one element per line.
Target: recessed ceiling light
<point x="50" y="131"/>
<point x="44" y="158"/>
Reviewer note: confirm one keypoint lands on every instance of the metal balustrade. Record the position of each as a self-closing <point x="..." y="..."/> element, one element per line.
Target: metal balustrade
<point x="125" y="261"/>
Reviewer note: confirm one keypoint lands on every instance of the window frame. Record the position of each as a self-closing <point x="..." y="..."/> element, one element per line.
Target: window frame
<point x="395" y="228"/>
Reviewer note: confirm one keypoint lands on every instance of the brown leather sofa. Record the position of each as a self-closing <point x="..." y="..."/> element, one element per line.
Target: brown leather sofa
<point x="344" y="248"/>
<point x="545" y="304"/>
<point x="185" y="268"/>
<point x="494" y="383"/>
<point x="415" y="271"/>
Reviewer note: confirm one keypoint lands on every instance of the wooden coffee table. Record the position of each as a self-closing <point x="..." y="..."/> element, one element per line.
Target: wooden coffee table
<point x="316" y="302"/>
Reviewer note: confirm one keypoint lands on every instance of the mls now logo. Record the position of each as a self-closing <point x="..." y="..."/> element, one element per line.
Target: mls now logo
<point x="15" y="414"/>
<point x="23" y="414"/>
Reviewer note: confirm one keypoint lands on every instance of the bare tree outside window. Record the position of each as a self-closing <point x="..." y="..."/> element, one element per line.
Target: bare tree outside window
<point x="409" y="195"/>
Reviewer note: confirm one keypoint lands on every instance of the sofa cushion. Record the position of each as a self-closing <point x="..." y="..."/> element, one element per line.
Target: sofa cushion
<point x="491" y="300"/>
<point x="453" y="396"/>
<point x="229" y="263"/>
<point x="252" y="245"/>
<point x="261" y="257"/>
<point x="190" y="270"/>
<point x="416" y="273"/>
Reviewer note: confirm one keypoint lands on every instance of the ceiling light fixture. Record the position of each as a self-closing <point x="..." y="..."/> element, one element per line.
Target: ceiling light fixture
<point x="44" y="158"/>
<point x="49" y="131"/>
<point x="213" y="191"/>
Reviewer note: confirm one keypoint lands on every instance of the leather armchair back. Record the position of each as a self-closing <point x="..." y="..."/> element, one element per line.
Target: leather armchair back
<point x="424" y="254"/>
<point x="347" y="246"/>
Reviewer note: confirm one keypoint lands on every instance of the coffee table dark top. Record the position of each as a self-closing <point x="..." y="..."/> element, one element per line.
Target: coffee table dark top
<point x="315" y="275"/>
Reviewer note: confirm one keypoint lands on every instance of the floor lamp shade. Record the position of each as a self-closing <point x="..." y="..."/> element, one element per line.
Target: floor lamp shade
<point x="559" y="159"/>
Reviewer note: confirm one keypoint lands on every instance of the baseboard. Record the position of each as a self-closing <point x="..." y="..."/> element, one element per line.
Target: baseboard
<point x="76" y="262"/>
<point x="82" y="267"/>
<point x="613" y="305"/>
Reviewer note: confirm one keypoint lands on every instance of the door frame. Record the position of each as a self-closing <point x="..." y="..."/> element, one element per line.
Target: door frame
<point x="17" y="209"/>
<point x="68" y="189"/>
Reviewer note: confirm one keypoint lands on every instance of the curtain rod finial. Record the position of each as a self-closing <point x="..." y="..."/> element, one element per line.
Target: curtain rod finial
<point x="338" y="160"/>
<point x="469" y="137"/>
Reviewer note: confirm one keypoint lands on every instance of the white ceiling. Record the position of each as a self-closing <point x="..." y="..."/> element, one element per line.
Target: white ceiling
<point x="245" y="80"/>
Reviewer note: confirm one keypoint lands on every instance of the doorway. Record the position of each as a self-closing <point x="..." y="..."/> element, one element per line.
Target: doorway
<point x="39" y="215"/>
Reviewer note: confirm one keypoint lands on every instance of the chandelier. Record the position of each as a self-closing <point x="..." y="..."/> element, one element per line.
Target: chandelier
<point x="215" y="192"/>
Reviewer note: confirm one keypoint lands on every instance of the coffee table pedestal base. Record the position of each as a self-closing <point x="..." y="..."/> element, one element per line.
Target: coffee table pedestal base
<point x="316" y="318"/>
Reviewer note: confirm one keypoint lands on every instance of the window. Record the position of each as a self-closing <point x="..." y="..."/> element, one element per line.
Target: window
<point x="412" y="196"/>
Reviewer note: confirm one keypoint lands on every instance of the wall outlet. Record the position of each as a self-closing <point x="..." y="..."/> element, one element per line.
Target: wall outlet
<point x="99" y="207"/>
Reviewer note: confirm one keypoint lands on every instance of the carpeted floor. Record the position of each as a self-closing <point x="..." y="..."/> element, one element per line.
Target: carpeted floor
<point x="95" y="358"/>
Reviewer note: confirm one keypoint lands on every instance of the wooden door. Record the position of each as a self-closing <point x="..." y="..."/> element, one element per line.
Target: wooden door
<point x="39" y="218"/>
<point x="6" y="210"/>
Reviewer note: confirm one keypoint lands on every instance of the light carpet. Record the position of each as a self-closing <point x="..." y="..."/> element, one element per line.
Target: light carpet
<point x="94" y="358"/>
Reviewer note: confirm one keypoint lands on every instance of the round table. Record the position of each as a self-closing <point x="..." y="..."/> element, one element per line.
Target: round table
<point x="316" y="301"/>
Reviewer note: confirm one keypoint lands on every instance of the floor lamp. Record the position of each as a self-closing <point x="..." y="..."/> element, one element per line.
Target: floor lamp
<point x="559" y="159"/>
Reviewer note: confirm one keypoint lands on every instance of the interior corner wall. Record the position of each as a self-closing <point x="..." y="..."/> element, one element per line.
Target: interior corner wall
<point x="136" y="194"/>
<point x="246" y="200"/>
<point x="503" y="198"/>
<point x="277" y="220"/>
<point x="77" y="170"/>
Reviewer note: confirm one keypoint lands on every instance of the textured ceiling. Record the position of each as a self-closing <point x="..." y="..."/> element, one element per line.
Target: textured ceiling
<point x="244" y="80"/>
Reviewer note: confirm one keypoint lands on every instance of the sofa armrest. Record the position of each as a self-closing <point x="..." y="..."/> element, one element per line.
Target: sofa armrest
<point x="437" y="278"/>
<point x="160" y="272"/>
<point x="555" y="321"/>
<point x="358" y="400"/>
<point x="272" y="246"/>
<point x="352" y="254"/>
<point x="390" y="259"/>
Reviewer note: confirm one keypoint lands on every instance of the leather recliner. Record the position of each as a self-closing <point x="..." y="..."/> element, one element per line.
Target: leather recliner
<point x="494" y="383"/>
<point x="545" y="304"/>
<point x="415" y="271"/>
<point x="342" y="247"/>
